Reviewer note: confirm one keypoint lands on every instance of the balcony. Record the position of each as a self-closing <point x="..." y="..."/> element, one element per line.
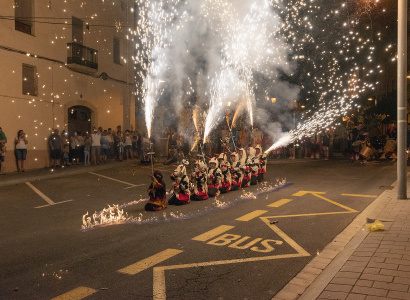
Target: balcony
<point x="81" y="58"/>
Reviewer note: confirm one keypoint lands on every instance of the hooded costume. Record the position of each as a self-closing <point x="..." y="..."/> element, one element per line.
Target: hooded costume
<point x="262" y="162"/>
<point x="157" y="193"/>
<point x="252" y="163"/>
<point x="226" y="179"/>
<point x="214" y="178"/>
<point x="237" y="170"/>
<point x="180" y="185"/>
<point x="199" y="187"/>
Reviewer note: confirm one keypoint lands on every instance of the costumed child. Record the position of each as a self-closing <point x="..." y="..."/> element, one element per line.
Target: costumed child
<point x="246" y="178"/>
<point x="214" y="178"/>
<point x="180" y="185"/>
<point x="225" y="167"/>
<point x="236" y="172"/>
<point x="262" y="162"/>
<point x="199" y="187"/>
<point x="253" y="163"/>
<point x="157" y="193"/>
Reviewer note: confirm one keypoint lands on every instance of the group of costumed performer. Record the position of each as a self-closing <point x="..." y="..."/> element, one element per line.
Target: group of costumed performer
<point x="246" y="168"/>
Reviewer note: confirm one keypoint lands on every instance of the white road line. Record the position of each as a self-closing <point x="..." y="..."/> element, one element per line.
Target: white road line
<point x="113" y="179"/>
<point x="131" y="187"/>
<point x="56" y="203"/>
<point x="48" y="200"/>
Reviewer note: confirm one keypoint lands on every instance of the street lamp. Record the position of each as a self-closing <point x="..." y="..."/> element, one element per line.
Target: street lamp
<point x="402" y="100"/>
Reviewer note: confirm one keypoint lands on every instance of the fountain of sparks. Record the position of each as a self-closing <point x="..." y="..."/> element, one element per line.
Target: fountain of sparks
<point x="262" y="42"/>
<point x="335" y="83"/>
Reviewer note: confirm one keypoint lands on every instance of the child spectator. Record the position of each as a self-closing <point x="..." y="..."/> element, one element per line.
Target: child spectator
<point x="66" y="155"/>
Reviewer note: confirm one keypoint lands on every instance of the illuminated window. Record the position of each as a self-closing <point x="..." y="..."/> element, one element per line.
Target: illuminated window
<point x="117" y="57"/>
<point x="23" y="10"/>
<point x="29" y="80"/>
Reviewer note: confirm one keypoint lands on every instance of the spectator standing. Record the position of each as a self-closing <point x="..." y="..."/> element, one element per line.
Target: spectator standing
<point x="3" y="141"/>
<point x="66" y="155"/>
<point x="139" y="145"/>
<point x="256" y="137"/>
<point x="110" y="137"/>
<point x="105" y="146"/>
<point x="64" y="137"/>
<point x="56" y="144"/>
<point x="242" y="138"/>
<point x="128" y="145"/>
<point x="20" y="150"/>
<point x="95" y="146"/>
<point x="326" y="144"/>
<point x="75" y="148"/>
<point x="3" y="136"/>
<point x="2" y="152"/>
<point x="87" y="149"/>
<point x="119" y="140"/>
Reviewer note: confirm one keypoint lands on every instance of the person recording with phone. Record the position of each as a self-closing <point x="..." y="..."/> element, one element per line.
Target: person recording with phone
<point x="20" y="150"/>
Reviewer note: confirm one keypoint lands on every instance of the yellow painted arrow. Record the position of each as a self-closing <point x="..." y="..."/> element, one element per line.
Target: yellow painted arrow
<point x="318" y="195"/>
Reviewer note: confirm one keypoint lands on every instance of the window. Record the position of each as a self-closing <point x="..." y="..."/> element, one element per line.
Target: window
<point x="77" y="25"/>
<point x="23" y="10"/>
<point x="29" y="80"/>
<point x="117" y="58"/>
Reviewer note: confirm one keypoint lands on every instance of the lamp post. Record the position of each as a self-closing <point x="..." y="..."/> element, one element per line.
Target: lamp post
<point x="402" y="100"/>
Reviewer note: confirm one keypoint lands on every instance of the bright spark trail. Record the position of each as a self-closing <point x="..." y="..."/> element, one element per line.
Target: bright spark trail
<point x="272" y="39"/>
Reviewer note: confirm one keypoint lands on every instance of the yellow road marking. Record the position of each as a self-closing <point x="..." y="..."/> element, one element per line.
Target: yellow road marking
<point x="314" y="214"/>
<point x="285" y="237"/>
<point x="159" y="284"/>
<point x="149" y="261"/>
<point x="160" y="292"/>
<point x="76" y="294"/>
<point x="212" y="233"/>
<point x="280" y="202"/>
<point x="318" y="194"/>
<point x="302" y="193"/>
<point x="335" y="203"/>
<point x="356" y="195"/>
<point x="251" y="215"/>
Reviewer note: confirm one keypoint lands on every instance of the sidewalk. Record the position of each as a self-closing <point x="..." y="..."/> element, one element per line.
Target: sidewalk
<point x="359" y="264"/>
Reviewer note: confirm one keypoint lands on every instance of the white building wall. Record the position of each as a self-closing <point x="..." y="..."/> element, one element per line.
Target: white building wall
<point x="59" y="87"/>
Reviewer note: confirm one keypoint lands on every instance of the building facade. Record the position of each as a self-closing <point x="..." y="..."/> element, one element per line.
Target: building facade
<point x="67" y="65"/>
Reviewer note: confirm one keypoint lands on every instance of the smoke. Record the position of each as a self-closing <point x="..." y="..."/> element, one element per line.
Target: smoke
<point x="212" y="54"/>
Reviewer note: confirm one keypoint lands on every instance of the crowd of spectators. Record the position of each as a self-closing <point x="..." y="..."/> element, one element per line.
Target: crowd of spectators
<point x="96" y="147"/>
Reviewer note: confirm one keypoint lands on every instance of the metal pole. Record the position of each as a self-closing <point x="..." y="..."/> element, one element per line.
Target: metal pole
<point x="402" y="100"/>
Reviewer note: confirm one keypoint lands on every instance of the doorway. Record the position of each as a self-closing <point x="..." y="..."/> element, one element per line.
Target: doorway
<point x="79" y="120"/>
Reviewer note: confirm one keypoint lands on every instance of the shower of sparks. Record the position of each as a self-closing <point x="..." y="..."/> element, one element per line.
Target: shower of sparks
<point x="271" y="40"/>
<point x="115" y="215"/>
<point x="337" y="60"/>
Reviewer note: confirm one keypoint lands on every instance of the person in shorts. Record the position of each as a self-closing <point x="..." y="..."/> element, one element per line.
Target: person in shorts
<point x="95" y="146"/>
<point x="20" y="150"/>
<point x="56" y="144"/>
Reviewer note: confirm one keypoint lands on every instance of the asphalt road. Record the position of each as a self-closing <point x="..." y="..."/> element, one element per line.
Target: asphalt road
<point x="198" y="251"/>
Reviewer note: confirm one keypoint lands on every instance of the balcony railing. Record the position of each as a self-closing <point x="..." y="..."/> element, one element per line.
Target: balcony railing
<point x="79" y="55"/>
